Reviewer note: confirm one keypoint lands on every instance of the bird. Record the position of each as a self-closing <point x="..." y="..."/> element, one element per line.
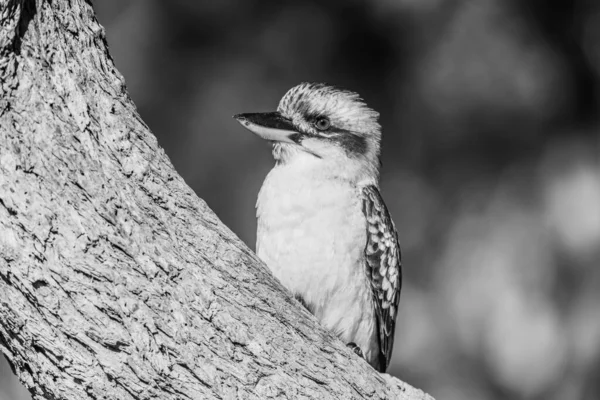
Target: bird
<point x="323" y="228"/>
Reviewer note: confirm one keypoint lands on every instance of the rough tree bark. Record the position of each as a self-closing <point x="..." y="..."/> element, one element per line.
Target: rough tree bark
<point x="116" y="280"/>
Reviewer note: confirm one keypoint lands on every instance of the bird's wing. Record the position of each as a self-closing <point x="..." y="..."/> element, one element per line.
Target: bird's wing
<point x="382" y="256"/>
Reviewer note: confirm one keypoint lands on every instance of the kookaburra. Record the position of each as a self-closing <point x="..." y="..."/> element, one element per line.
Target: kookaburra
<point x="323" y="228"/>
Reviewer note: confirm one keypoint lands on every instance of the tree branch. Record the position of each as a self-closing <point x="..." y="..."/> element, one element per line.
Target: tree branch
<point x="116" y="280"/>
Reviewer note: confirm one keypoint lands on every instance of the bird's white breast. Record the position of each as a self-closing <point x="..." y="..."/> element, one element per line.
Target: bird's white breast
<point x="312" y="235"/>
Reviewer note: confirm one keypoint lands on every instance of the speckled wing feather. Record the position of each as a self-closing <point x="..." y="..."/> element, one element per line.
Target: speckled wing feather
<point x="382" y="255"/>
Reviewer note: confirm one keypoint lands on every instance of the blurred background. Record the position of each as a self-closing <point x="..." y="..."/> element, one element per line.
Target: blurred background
<point x="490" y="160"/>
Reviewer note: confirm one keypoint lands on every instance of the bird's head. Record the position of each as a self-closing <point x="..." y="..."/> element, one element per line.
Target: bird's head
<point x="324" y="127"/>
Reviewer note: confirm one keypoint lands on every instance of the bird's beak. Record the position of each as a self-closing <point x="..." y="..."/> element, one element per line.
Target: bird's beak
<point x="270" y="126"/>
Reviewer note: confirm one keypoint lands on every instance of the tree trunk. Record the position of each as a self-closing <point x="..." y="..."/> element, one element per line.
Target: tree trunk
<point x="116" y="280"/>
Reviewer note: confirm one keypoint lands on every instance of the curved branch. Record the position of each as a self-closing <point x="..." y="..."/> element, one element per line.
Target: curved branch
<point x="116" y="280"/>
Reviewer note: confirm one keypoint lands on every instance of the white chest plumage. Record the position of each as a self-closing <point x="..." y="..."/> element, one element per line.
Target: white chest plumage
<point x="312" y="235"/>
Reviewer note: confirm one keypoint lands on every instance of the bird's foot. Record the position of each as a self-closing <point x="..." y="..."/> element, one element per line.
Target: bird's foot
<point x="356" y="349"/>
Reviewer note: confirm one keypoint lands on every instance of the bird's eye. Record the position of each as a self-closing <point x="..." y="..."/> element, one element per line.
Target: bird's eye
<point x="322" y="123"/>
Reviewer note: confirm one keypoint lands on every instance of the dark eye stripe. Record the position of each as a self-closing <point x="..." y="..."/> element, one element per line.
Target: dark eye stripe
<point x="353" y="144"/>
